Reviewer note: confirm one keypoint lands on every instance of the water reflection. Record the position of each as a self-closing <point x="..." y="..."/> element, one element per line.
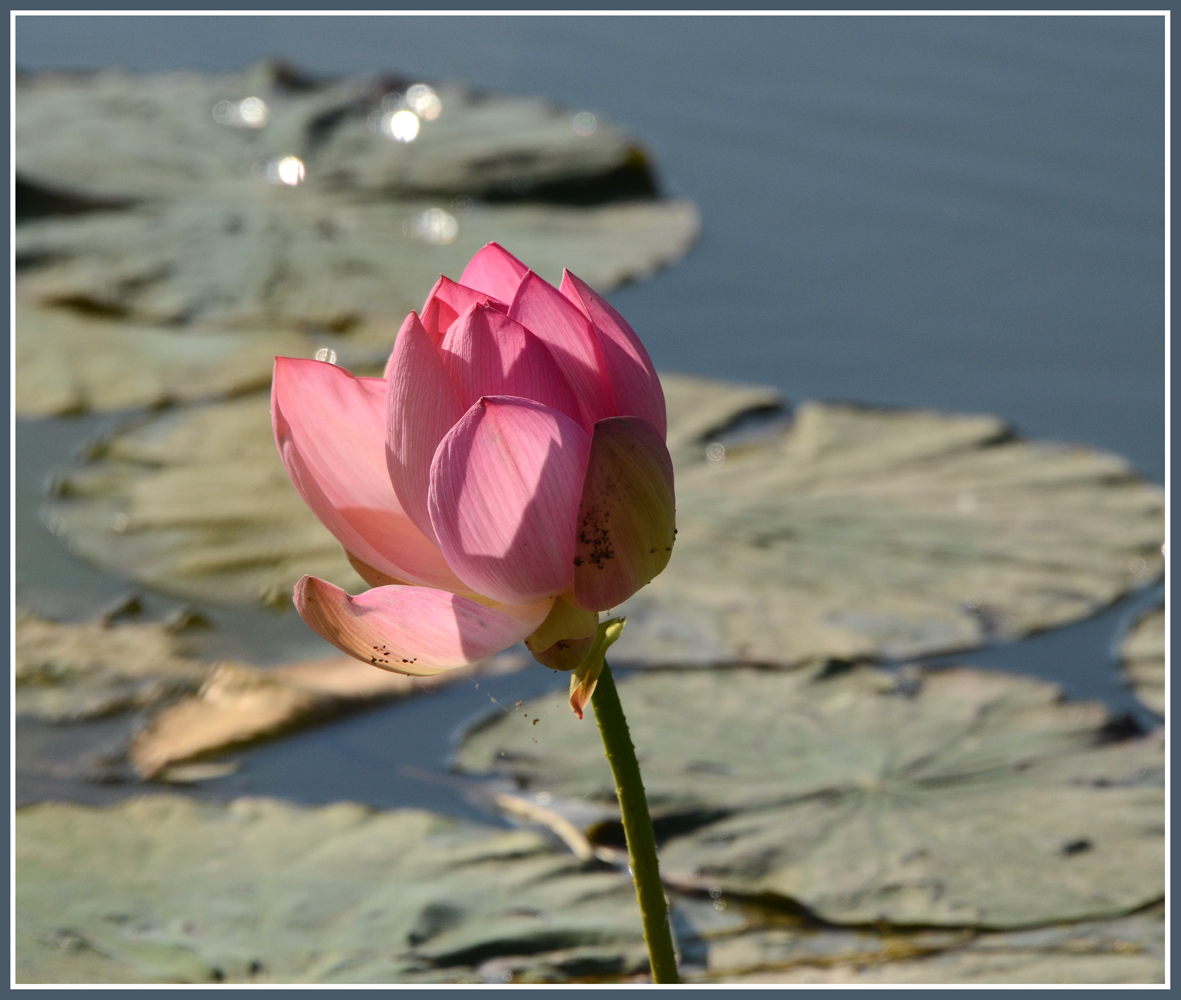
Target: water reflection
<point x="424" y="102"/>
<point x="400" y="125"/>
<point x="585" y="123"/>
<point x="250" y="112"/>
<point x="432" y="226"/>
<point x="289" y="171"/>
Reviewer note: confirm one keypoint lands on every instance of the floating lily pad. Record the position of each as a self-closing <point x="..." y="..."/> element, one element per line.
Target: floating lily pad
<point x="69" y="363"/>
<point x="960" y="797"/>
<point x="1017" y="966"/>
<point x="1126" y="949"/>
<point x="1143" y="656"/>
<point x="197" y="503"/>
<point x="272" y="256"/>
<point x="259" y="891"/>
<point x="65" y="673"/>
<point x="239" y="703"/>
<point x="860" y="532"/>
<point x="117" y="136"/>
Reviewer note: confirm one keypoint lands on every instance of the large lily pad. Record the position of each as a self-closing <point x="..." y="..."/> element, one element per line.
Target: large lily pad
<point x="1124" y="950"/>
<point x="67" y="362"/>
<point x="197" y="503"/>
<point x="955" y="798"/>
<point x="858" y="532"/>
<point x="117" y="136"/>
<point x="1143" y="656"/>
<point x="266" y="255"/>
<point x="260" y="891"/>
<point x="876" y="533"/>
<point x="239" y="703"/>
<point x="67" y="672"/>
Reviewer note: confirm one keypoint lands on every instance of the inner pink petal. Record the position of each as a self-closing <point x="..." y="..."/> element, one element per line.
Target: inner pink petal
<point x="563" y="328"/>
<point x="634" y="382"/>
<point x="488" y="354"/>
<point x="494" y="271"/>
<point x="447" y="301"/>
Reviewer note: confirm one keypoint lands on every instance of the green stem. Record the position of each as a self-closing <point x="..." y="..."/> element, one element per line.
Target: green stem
<point x="637" y="826"/>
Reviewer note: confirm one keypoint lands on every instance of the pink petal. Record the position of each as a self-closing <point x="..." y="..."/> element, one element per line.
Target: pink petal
<point x="488" y="354"/>
<point x="562" y="327"/>
<point x="445" y="303"/>
<point x="423" y="407"/>
<point x="626" y="516"/>
<point x="495" y="272"/>
<point x="330" y="430"/>
<point x="411" y="630"/>
<point x="637" y="390"/>
<point x="505" y="486"/>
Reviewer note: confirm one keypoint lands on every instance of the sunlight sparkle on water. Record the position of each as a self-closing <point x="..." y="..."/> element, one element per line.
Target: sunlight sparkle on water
<point x="401" y="125"/>
<point x="250" y="112"/>
<point x="432" y="226"/>
<point x="424" y="102"/>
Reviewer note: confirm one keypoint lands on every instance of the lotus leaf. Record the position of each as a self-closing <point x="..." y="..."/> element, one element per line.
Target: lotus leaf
<point x="197" y="503"/>
<point x="1126" y="949"/>
<point x="279" y="256"/>
<point x="67" y="672"/>
<point x="958" y="797"/>
<point x="1143" y="655"/>
<point x="261" y="891"/>
<point x="121" y="137"/>
<point x="67" y="362"/>
<point x="859" y="532"/>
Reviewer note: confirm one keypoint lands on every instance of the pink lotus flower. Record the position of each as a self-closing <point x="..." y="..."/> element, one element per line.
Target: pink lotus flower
<point x="507" y="479"/>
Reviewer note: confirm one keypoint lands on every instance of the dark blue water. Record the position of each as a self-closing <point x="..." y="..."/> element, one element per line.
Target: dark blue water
<point x="957" y="212"/>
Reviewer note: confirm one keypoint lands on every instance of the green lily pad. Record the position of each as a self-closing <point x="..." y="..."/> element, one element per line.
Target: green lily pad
<point x="117" y="136"/>
<point x="1143" y="656"/>
<point x="857" y="532"/>
<point x="261" y="255"/>
<point x="260" y="891"/>
<point x="67" y="672"/>
<point x="960" y="797"/>
<point x="197" y="503"/>
<point x="67" y="362"/>
<point x="1126" y="949"/>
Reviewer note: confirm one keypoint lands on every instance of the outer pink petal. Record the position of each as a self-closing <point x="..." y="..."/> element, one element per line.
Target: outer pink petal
<point x="446" y="301"/>
<point x="626" y="515"/>
<point x="330" y="430"/>
<point x="423" y="407"/>
<point x="637" y="390"/>
<point x="505" y="486"/>
<point x="562" y="327"/>
<point x="488" y="354"/>
<point x="494" y="271"/>
<point x="411" y="630"/>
